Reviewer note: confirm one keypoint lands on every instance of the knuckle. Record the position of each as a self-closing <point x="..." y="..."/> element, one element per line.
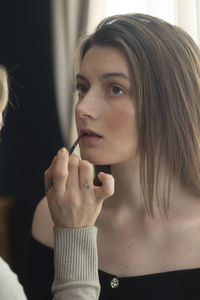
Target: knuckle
<point x="74" y="157"/>
<point x="110" y="191"/>
<point x="46" y="172"/>
<point x="109" y="187"/>
<point x="73" y="161"/>
<point x="85" y="165"/>
<point x="59" y="173"/>
<point x="110" y="179"/>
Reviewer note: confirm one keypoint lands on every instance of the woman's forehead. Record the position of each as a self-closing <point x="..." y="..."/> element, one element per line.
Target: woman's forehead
<point x="104" y="59"/>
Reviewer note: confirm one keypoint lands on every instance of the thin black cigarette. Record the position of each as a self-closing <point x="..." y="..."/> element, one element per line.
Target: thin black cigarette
<point x="71" y="150"/>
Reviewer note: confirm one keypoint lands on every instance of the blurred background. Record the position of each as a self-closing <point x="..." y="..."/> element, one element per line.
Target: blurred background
<point x="37" y="41"/>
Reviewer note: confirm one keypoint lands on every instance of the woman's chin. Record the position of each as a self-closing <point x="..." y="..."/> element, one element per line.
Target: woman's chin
<point x="94" y="160"/>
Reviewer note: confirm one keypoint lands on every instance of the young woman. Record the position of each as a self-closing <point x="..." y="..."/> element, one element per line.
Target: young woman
<point x="138" y="112"/>
<point x="10" y="288"/>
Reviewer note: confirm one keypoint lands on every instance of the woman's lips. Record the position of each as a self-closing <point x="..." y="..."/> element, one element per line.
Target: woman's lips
<point x="90" y="136"/>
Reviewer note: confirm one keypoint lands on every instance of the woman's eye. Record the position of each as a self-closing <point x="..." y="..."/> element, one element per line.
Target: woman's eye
<point x="115" y="90"/>
<point x="81" y="88"/>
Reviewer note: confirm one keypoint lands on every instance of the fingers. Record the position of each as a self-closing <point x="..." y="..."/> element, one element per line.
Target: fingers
<point x="73" y="177"/>
<point x="107" y="188"/>
<point x="58" y="172"/>
<point x="63" y="173"/>
<point x="48" y="174"/>
<point x="73" y="200"/>
<point x="86" y="174"/>
<point x="66" y="172"/>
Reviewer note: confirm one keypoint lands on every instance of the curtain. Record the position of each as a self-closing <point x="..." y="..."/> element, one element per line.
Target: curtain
<point x="70" y="19"/>
<point x="183" y="13"/>
<point x="188" y="17"/>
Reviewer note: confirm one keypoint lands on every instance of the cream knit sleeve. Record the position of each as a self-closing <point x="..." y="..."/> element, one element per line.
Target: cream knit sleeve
<point x="76" y="264"/>
<point x="10" y="288"/>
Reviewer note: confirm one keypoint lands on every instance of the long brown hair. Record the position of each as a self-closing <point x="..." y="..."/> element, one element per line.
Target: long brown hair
<point x="165" y="66"/>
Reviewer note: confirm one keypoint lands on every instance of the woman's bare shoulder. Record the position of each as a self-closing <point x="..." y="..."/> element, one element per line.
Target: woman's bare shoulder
<point x="42" y="225"/>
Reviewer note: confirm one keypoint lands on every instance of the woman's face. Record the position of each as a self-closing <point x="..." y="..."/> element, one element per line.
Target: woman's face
<point x="105" y="112"/>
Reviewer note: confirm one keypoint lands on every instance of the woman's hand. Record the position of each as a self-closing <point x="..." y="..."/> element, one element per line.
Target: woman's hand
<point x="73" y="200"/>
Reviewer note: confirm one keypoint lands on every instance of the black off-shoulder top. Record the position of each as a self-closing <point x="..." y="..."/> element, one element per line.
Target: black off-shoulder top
<point x="172" y="285"/>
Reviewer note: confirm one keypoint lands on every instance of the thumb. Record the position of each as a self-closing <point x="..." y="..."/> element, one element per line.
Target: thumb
<point x="106" y="189"/>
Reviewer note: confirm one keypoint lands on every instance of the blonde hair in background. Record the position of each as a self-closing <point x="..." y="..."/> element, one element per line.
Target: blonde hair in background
<point x="3" y="88"/>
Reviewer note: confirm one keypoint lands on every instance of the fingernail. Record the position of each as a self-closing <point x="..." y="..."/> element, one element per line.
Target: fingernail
<point x="63" y="150"/>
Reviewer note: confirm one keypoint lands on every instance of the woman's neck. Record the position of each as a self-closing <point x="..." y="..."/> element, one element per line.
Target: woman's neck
<point x="128" y="196"/>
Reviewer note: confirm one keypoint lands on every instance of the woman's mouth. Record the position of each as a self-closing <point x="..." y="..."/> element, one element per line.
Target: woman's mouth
<point x="90" y="136"/>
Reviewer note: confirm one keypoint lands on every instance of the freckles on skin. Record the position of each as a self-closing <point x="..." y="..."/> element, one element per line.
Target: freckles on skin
<point x="120" y="139"/>
<point x="123" y="126"/>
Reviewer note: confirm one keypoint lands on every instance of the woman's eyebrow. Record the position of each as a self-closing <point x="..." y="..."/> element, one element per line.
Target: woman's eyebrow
<point x="79" y="76"/>
<point x="115" y="74"/>
<point x="105" y="76"/>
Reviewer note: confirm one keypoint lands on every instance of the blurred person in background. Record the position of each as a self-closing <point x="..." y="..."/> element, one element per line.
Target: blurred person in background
<point x="10" y="288"/>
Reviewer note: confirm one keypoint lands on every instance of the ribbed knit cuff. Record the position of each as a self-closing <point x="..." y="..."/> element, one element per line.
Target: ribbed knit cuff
<point x="75" y="253"/>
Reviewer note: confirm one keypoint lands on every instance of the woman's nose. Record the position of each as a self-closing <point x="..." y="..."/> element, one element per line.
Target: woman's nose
<point x="87" y="107"/>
